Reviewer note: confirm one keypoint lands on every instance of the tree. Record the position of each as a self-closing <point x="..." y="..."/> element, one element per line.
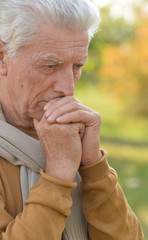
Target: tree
<point x="118" y="60"/>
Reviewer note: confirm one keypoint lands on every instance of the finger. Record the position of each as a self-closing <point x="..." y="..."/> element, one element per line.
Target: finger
<point x="64" y="109"/>
<point x="88" y="118"/>
<point x="79" y="127"/>
<point x="53" y="105"/>
<point x="54" y="100"/>
<point x="35" y="123"/>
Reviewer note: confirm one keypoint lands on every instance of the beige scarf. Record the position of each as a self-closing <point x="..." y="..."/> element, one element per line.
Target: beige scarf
<point x="20" y="149"/>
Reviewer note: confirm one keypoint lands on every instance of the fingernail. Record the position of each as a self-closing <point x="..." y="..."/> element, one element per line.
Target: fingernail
<point x="46" y="106"/>
<point x="50" y="119"/>
<point x="60" y="119"/>
<point x="46" y="114"/>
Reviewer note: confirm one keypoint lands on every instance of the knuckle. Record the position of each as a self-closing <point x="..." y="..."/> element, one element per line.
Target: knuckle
<point x="75" y="105"/>
<point x="80" y="113"/>
<point x="62" y="128"/>
<point x="97" y="117"/>
<point x="72" y="99"/>
<point x="69" y="98"/>
<point x="65" y="131"/>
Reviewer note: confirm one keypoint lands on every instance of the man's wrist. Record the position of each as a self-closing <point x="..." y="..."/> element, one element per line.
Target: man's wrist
<point x="87" y="163"/>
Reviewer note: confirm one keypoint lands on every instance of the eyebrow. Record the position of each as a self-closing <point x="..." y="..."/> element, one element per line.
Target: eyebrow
<point x="83" y="61"/>
<point x="61" y="62"/>
<point x="55" y="60"/>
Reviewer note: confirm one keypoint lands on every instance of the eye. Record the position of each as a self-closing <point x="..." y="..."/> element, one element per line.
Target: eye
<point x="50" y="66"/>
<point x="78" y="66"/>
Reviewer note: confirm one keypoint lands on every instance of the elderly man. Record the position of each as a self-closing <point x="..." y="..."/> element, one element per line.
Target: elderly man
<point x="46" y="135"/>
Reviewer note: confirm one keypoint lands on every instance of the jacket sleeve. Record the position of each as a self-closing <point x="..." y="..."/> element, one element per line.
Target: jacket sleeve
<point x="45" y="211"/>
<point x="105" y="207"/>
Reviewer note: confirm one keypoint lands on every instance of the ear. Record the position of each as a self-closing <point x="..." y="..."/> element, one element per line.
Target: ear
<point x="3" y="66"/>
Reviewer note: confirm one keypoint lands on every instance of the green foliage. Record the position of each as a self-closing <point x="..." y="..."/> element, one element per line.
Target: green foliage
<point x="118" y="56"/>
<point x="110" y="32"/>
<point x="114" y="31"/>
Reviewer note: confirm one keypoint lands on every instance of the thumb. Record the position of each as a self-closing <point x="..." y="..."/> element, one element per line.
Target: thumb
<point x="35" y="122"/>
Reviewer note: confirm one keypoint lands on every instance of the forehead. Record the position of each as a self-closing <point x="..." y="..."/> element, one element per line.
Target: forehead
<point x="52" y="39"/>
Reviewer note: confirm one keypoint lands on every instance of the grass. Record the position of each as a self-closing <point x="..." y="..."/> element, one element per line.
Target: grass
<point x="125" y="138"/>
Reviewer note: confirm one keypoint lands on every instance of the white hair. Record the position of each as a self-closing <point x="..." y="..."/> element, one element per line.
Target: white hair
<point x="19" y="19"/>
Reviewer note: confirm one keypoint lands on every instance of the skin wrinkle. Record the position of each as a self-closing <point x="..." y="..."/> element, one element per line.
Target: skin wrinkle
<point x="38" y="84"/>
<point x="60" y="62"/>
<point x="63" y="41"/>
<point x="60" y="58"/>
<point x="47" y="60"/>
<point x="41" y="59"/>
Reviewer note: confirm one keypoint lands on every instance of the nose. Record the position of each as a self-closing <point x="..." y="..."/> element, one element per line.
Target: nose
<point x="65" y="83"/>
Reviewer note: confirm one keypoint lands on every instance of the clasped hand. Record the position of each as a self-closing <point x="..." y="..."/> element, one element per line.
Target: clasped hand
<point x="69" y="134"/>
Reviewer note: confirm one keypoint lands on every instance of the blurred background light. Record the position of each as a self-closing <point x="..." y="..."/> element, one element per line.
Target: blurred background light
<point x="122" y="8"/>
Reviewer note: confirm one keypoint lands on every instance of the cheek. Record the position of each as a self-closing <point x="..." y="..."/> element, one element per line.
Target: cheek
<point x="38" y="87"/>
<point x="32" y="81"/>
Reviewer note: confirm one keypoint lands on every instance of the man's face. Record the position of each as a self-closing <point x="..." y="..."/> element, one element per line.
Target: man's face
<point x="46" y="70"/>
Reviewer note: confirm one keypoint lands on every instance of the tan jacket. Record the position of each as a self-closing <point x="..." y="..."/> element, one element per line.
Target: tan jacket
<point x="107" y="212"/>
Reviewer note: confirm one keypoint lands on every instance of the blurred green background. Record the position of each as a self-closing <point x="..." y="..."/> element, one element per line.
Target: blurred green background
<point x="115" y="83"/>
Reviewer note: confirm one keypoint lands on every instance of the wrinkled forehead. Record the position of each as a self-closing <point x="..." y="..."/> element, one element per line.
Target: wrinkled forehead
<point x="52" y="39"/>
<point x="55" y="33"/>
